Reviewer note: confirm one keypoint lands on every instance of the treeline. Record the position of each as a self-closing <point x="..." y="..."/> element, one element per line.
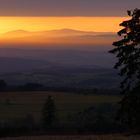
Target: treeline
<point x="4" y="87"/>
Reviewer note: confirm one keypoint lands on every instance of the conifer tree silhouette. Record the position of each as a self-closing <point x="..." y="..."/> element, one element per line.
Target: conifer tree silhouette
<point x="127" y="51"/>
<point x="49" y="112"/>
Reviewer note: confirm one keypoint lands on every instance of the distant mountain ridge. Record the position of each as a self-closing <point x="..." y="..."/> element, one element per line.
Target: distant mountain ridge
<point x="54" y="33"/>
<point x="65" y="37"/>
<point x="17" y="32"/>
<point x="19" y="71"/>
<point x="17" y="64"/>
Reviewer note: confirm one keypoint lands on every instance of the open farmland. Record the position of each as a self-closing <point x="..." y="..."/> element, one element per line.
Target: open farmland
<point x="15" y="105"/>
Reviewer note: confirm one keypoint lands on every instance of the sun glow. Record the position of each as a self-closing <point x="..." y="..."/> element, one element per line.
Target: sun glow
<point x="97" y="24"/>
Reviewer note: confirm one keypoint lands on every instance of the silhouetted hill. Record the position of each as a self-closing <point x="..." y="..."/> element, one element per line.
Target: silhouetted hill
<point x="53" y="33"/>
<point x="63" y="37"/>
<point x="19" y="71"/>
<point x="17" y="33"/>
<point x="11" y="64"/>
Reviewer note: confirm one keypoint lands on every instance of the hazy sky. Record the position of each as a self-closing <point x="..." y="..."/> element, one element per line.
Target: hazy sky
<point x="97" y="24"/>
<point x="66" y="7"/>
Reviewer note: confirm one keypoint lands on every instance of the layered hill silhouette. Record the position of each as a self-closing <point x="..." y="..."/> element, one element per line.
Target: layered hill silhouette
<point x="53" y="33"/>
<point x="24" y="70"/>
<point x="63" y="36"/>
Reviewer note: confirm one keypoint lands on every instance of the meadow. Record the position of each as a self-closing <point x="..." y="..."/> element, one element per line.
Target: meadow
<point x="15" y="105"/>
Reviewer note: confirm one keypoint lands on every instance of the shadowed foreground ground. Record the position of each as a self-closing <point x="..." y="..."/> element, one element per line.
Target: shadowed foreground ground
<point x="91" y="137"/>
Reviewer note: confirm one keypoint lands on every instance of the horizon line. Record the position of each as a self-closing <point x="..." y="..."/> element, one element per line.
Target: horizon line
<point x="56" y="30"/>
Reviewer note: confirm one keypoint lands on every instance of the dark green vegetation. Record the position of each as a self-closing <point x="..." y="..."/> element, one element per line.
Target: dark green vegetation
<point x="128" y="54"/>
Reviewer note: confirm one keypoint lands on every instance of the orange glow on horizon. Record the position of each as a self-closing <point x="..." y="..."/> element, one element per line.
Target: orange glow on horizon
<point x="96" y="24"/>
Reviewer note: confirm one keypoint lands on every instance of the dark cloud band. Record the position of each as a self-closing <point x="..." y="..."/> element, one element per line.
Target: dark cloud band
<point x="66" y="7"/>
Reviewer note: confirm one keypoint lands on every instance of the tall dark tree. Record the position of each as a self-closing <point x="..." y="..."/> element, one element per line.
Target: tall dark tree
<point x="127" y="51"/>
<point x="49" y="113"/>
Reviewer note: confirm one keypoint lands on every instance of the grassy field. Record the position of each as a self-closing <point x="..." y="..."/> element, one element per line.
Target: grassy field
<point x="19" y="104"/>
<point x="91" y="137"/>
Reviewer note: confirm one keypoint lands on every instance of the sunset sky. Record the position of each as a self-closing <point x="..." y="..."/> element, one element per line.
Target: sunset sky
<point x="66" y="7"/>
<point x="47" y="15"/>
<point x="85" y="15"/>
<point x="97" y="24"/>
